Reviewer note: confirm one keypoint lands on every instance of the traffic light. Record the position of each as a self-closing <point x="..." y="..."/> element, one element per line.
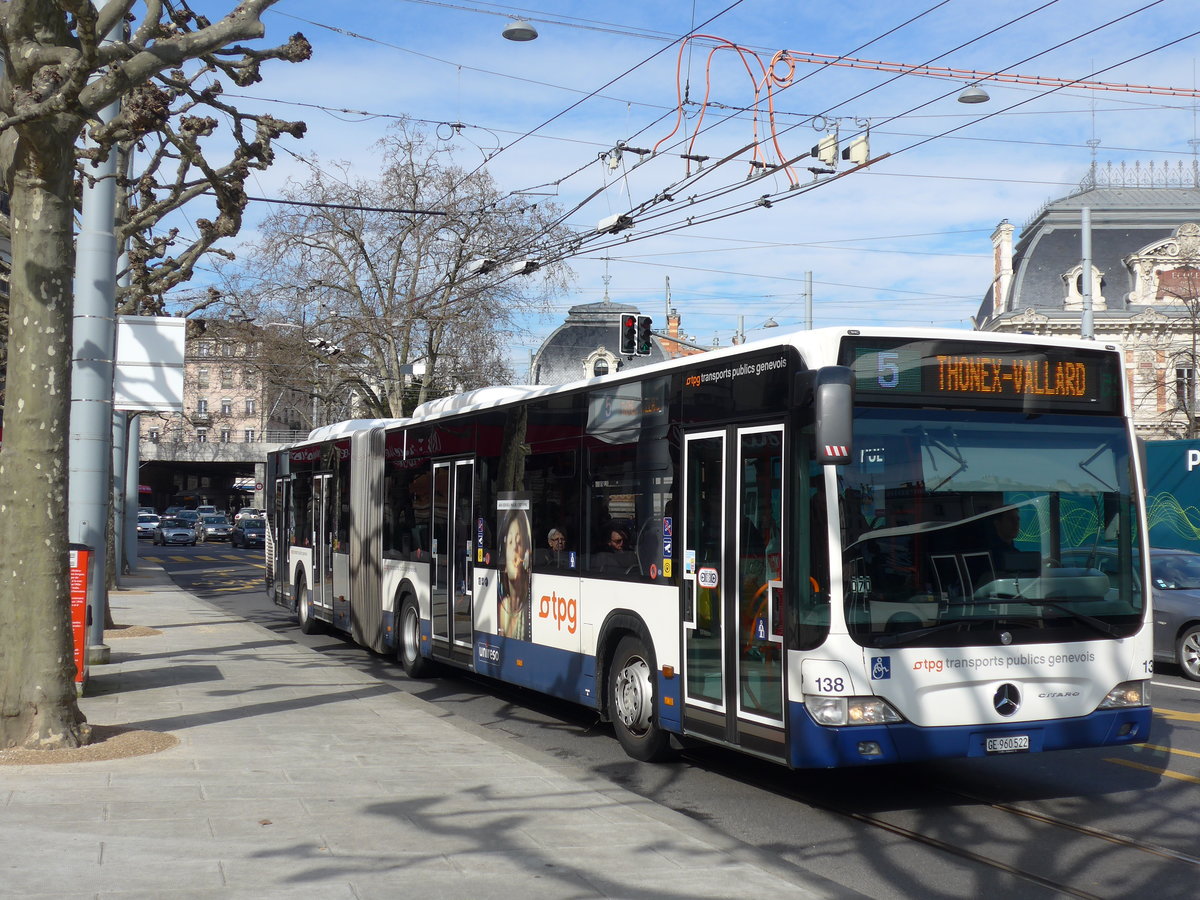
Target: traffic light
<point x="643" y="336"/>
<point x="629" y="335"/>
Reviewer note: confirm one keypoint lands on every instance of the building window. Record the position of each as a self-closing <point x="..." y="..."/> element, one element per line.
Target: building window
<point x="250" y="436"/>
<point x="1185" y="387"/>
<point x="204" y="348"/>
<point x="202" y="407"/>
<point x="152" y="436"/>
<point x="226" y="377"/>
<point x="250" y="406"/>
<point x="202" y="378"/>
<point x="202" y="435"/>
<point x="601" y="367"/>
<point x="225" y="434"/>
<point x="227" y="407"/>
<point x="250" y="379"/>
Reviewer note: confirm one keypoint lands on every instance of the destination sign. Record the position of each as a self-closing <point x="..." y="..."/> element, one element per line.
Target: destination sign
<point x="950" y="373"/>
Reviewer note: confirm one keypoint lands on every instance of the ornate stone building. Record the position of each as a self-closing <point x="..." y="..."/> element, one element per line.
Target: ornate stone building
<point x="1145" y="283"/>
<point x="587" y="344"/>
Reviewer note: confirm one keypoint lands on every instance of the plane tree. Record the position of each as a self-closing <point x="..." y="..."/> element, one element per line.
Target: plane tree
<point x="411" y="282"/>
<point x="60" y="73"/>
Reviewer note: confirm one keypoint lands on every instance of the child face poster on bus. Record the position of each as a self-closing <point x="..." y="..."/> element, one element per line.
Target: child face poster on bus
<point x="516" y="557"/>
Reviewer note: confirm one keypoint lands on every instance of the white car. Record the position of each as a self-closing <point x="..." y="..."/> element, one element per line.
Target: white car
<point x="248" y="511"/>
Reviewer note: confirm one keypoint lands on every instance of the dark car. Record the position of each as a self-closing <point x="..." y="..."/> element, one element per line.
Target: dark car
<point x="249" y="532"/>
<point x="213" y="528"/>
<point x="1175" y="575"/>
<point x="175" y="531"/>
<point x="146" y="525"/>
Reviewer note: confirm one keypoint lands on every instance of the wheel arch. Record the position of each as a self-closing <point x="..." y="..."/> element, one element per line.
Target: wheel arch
<point x="619" y="623"/>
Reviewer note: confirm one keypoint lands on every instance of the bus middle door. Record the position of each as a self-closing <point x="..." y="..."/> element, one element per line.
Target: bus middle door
<point x="452" y="591"/>
<point x="323" y="532"/>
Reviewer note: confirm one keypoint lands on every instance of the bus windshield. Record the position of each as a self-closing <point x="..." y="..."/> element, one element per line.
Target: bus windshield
<point x="969" y="528"/>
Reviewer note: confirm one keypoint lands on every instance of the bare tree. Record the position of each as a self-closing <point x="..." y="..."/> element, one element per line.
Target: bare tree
<point x="414" y="268"/>
<point x="59" y="74"/>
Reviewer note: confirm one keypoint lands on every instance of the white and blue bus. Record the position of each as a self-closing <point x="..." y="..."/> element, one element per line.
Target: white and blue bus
<point x="843" y="547"/>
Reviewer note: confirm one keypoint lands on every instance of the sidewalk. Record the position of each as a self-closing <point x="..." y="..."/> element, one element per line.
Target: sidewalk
<point x="297" y="776"/>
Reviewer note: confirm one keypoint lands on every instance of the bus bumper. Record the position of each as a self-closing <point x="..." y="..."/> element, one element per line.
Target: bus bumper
<point x="818" y="746"/>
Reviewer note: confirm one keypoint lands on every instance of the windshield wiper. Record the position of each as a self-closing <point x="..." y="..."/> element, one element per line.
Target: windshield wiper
<point x="907" y="637"/>
<point x="1098" y="624"/>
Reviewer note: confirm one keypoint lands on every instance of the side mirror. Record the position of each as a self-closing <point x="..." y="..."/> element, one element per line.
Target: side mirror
<point x="833" y="414"/>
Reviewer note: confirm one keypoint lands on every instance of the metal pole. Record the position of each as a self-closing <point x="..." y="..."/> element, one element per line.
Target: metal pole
<point x="808" y="300"/>
<point x="1087" y="327"/>
<point x="120" y="437"/>
<point x="94" y="336"/>
<point x="133" y="499"/>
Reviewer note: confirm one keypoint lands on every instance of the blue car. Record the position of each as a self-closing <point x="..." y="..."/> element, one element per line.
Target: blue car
<point x="249" y="532"/>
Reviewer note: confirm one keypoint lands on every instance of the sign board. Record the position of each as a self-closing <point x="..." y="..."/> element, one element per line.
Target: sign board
<point x="148" y="376"/>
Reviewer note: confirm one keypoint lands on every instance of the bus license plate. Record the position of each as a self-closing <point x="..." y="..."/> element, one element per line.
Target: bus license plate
<point x="1013" y="743"/>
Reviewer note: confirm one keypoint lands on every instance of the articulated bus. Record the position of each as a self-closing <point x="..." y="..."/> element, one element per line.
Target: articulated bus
<point x="842" y="547"/>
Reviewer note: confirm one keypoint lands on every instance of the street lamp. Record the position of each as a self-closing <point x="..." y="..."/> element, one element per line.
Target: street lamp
<point x="519" y="30"/>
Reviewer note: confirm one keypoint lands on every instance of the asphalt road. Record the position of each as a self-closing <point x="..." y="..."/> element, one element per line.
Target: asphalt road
<point x="1097" y="823"/>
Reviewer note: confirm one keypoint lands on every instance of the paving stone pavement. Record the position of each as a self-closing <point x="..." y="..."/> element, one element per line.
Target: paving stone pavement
<point x="297" y="776"/>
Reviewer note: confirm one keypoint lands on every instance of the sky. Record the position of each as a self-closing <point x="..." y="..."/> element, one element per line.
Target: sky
<point x="903" y="241"/>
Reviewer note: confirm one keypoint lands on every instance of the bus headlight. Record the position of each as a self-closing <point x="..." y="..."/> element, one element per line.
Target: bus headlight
<point x="1127" y="693"/>
<point x="851" y="711"/>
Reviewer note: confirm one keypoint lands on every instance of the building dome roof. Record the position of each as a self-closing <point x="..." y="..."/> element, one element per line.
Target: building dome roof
<point x="591" y="332"/>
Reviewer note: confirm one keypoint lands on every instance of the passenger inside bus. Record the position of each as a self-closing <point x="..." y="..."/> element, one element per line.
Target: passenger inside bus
<point x="616" y="557"/>
<point x="556" y="554"/>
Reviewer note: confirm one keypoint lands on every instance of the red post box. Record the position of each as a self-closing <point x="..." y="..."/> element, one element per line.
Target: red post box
<point x="80" y="560"/>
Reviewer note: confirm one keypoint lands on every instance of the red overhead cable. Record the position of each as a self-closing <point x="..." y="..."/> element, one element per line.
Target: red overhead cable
<point x="822" y="59"/>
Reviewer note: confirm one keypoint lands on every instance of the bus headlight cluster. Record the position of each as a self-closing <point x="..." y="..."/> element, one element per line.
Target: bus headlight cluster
<point x="851" y="711"/>
<point x="1127" y="693"/>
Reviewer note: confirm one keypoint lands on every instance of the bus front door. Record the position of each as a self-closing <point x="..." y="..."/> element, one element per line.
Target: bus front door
<point x="733" y="545"/>
<point x="452" y="590"/>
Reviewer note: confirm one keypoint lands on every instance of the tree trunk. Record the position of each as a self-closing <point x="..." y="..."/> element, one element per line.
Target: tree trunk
<point x="38" y="707"/>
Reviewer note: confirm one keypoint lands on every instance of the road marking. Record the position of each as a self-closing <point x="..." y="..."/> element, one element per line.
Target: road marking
<point x="1159" y="748"/>
<point x="1176" y="715"/>
<point x="1177" y="687"/>
<point x="1157" y="770"/>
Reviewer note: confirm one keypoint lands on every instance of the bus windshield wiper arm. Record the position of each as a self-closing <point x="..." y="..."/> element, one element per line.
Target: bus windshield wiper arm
<point x="907" y="637"/>
<point x="1098" y="624"/>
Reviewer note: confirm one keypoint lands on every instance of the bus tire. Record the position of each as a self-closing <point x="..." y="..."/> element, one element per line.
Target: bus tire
<point x="304" y="612"/>
<point x="631" y="703"/>
<point x="408" y="641"/>
<point x="1187" y="652"/>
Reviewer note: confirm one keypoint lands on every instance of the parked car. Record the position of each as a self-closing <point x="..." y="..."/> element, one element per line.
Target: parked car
<point x="146" y="525"/>
<point x="248" y="511"/>
<point x="213" y="528"/>
<point x="1175" y="575"/>
<point x="249" y="532"/>
<point x="175" y="531"/>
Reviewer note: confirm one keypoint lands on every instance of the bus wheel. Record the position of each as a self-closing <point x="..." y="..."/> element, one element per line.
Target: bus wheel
<point x="1187" y="653"/>
<point x="304" y="614"/>
<point x="408" y="642"/>
<point x="631" y="703"/>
